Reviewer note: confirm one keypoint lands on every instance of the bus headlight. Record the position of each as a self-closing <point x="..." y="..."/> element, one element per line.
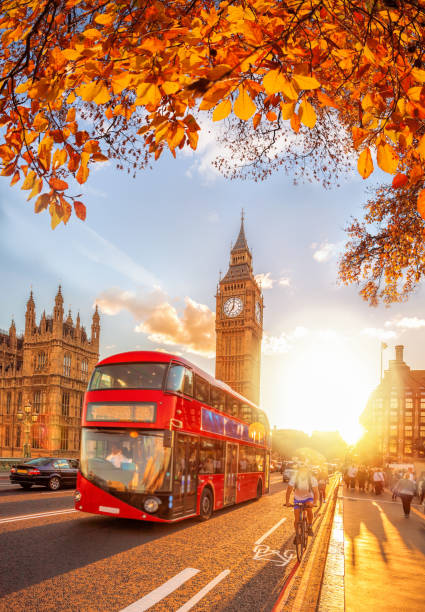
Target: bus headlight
<point x="77" y="495"/>
<point x="151" y="504"/>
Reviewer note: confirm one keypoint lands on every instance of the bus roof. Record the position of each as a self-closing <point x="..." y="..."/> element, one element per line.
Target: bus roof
<point x="161" y="357"/>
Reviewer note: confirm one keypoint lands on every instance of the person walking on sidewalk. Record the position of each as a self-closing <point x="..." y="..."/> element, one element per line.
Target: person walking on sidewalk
<point x="378" y="480"/>
<point x="304" y="485"/>
<point x="406" y="489"/>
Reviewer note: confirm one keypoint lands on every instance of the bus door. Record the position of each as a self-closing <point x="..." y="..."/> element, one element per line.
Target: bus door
<point x="231" y="473"/>
<point x="186" y="452"/>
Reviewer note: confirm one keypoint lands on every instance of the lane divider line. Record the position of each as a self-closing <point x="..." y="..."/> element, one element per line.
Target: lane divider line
<point x="161" y="592"/>
<point x="263" y="537"/>
<point x="28" y="517"/>
<point x="201" y="594"/>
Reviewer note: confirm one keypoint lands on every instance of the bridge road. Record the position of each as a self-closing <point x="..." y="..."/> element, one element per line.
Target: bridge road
<point x="52" y="558"/>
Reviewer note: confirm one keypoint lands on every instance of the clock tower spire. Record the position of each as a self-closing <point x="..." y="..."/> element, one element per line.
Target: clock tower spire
<point x="239" y="323"/>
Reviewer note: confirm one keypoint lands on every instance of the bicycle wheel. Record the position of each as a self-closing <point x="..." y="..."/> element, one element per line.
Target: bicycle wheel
<point x="305" y="533"/>
<point x="299" y="545"/>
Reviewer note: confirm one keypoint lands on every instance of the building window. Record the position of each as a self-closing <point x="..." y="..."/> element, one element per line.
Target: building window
<point x="393" y="416"/>
<point x="393" y="430"/>
<point x="36" y="436"/>
<point x="8" y="402"/>
<point x="408" y="418"/>
<point x="408" y="403"/>
<point x="64" y="438"/>
<point x="394" y="403"/>
<point x="7" y="436"/>
<point x="81" y="405"/>
<point x="67" y="365"/>
<point x="37" y="402"/>
<point x="422" y="417"/>
<point x="40" y="361"/>
<point x="18" y="436"/>
<point x="84" y="369"/>
<point x="392" y="447"/>
<point x="65" y="403"/>
<point x="19" y="402"/>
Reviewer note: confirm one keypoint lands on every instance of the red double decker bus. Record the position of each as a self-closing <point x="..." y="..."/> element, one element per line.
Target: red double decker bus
<point x="162" y="441"/>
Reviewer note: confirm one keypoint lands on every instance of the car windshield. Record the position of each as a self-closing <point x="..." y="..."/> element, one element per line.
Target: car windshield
<point x="38" y="461"/>
<point x="128" y="376"/>
<point x="123" y="461"/>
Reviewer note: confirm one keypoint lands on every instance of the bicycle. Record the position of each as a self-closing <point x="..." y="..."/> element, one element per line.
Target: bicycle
<point x="301" y="533"/>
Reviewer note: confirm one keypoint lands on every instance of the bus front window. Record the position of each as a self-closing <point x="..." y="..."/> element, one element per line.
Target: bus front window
<point x="126" y="461"/>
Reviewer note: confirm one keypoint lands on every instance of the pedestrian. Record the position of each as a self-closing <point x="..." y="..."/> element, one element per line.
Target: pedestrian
<point x="405" y="490"/>
<point x="421" y="487"/>
<point x="378" y="480"/>
<point x="361" y="478"/>
<point x="352" y="473"/>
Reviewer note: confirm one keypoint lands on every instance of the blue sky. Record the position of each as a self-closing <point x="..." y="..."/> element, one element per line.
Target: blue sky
<point x="150" y="253"/>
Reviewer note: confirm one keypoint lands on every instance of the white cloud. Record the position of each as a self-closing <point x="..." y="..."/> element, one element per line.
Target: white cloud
<point x="275" y="345"/>
<point x="379" y="333"/>
<point x="285" y="281"/>
<point x="264" y="280"/>
<point x="324" y="251"/>
<point x="157" y="318"/>
<point x="406" y="323"/>
<point x="213" y="217"/>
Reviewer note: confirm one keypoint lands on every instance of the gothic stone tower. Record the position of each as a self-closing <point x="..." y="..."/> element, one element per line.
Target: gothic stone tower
<point x="49" y="367"/>
<point x="239" y="323"/>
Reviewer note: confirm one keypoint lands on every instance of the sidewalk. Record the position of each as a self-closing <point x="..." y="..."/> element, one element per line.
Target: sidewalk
<point x="384" y="554"/>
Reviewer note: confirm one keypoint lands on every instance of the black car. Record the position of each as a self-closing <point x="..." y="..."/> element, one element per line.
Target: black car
<point x="51" y="472"/>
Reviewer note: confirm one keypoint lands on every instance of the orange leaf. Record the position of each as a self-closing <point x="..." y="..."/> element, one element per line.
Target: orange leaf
<point x="244" y="107"/>
<point x="400" y="180"/>
<point x="306" y="82"/>
<point x="58" y="184"/>
<point x="421" y="203"/>
<point x="222" y="110"/>
<point x="29" y="181"/>
<point x="80" y="210"/>
<point x="295" y="123"/>
<point x="83" y="173"/>
<point x="307" y="114"/>
<point x="271" y="116"/>
<point x="41" y="203"/>
<point x="15" y="178"/>
<point x="365" y="163"/>
<point x="387" y="158"/>
<point x="256" y="120"/>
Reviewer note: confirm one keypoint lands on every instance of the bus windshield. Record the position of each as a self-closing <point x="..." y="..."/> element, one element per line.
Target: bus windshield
<point x="125" y="461"/>
<point x="128" y="376"/>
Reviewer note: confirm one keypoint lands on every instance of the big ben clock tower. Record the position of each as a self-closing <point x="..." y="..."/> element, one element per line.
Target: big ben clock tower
<point x="239" y="323"/>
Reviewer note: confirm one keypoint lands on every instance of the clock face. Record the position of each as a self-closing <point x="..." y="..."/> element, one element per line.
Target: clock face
<point x="258" y="312"/>
<point x="233" y="307"/>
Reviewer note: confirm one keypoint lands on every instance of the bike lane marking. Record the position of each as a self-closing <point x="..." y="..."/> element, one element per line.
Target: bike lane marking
<point x="162" y="591"/>
<point x="28" y="517"/>
<point x="207" y="588"/>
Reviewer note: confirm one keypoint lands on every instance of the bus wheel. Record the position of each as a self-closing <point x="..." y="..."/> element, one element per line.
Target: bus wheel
<point x="259" y="489"/>
<point x="206" y="505"/>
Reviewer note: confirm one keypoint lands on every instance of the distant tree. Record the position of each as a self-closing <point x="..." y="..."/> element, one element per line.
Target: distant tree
<point x="287" y="442"/>
<point x="84" y="82"/>
<point x="329" y="443"/>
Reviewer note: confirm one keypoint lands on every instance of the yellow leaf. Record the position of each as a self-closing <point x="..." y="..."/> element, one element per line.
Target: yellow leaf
<point x="170" y="87"/>
<point x="307" y="114"/>
<point x="365" y="163"/>
<point x="71" y="54"/>
<point x="274" y="81"/>
<point x="306" y="82"/>
<point x="418" y="75"/>
<point x="104" y="19"/>
<point x="22" y="88"/>
<point x="29" y="180"/>
<point x="244" y="107"/>
<point x="38" y="185"/>
<point x="94" y="92"/>
<point x="414" y="93"/>
<point x="59" y="158"/>
<point x="421" y="147"/>
<point x="148" y="93"/>
<point x="287" y="109"/>
<point x="120" y="82"/>
<point x="421" y="203"/>
<point x="92" y="33"/>
<point x="387" y="158"/>
<point x="55" y="217"/>
<point x="222" y="110"/>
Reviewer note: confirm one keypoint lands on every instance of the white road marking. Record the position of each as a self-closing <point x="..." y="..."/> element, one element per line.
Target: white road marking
<point x="263" y="537"/>
<point x="28" y="517"/>
<point x="161" y="592"/>
<point x="380" y="501"/>
<point x="194" y="600"/>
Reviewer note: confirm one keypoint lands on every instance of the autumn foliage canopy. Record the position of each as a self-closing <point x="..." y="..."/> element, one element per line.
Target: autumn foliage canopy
<point x="84" y="82"/>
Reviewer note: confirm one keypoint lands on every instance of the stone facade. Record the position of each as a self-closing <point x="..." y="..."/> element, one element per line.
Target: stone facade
<point x="239" y="323"/>
<point x="395" y="412"/>
<point x="48" y="366"/>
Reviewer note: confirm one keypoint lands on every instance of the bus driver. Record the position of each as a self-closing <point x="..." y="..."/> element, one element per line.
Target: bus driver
<point x="116" y="457"/>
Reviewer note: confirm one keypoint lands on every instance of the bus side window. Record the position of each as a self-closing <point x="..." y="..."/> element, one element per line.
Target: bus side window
<point x="217" y="399"/>
<point x="202" y="390"/>
<point x="232" y="406"/>
<point x="180" y="379"/>
<point x="247" y="413"/>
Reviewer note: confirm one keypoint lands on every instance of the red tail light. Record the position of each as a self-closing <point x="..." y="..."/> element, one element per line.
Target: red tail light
<point x="13" y="471"/>
<point x="34" y="471"/>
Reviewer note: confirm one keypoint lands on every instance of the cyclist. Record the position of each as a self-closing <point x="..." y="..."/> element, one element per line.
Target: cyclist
<point x="304" y="485"/>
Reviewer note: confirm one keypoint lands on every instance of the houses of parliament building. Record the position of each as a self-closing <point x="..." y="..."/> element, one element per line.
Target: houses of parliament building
<point x="46" y="368"/>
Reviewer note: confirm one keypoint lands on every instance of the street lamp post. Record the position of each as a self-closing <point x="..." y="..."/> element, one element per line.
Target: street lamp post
<point x="27" y="417"/>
